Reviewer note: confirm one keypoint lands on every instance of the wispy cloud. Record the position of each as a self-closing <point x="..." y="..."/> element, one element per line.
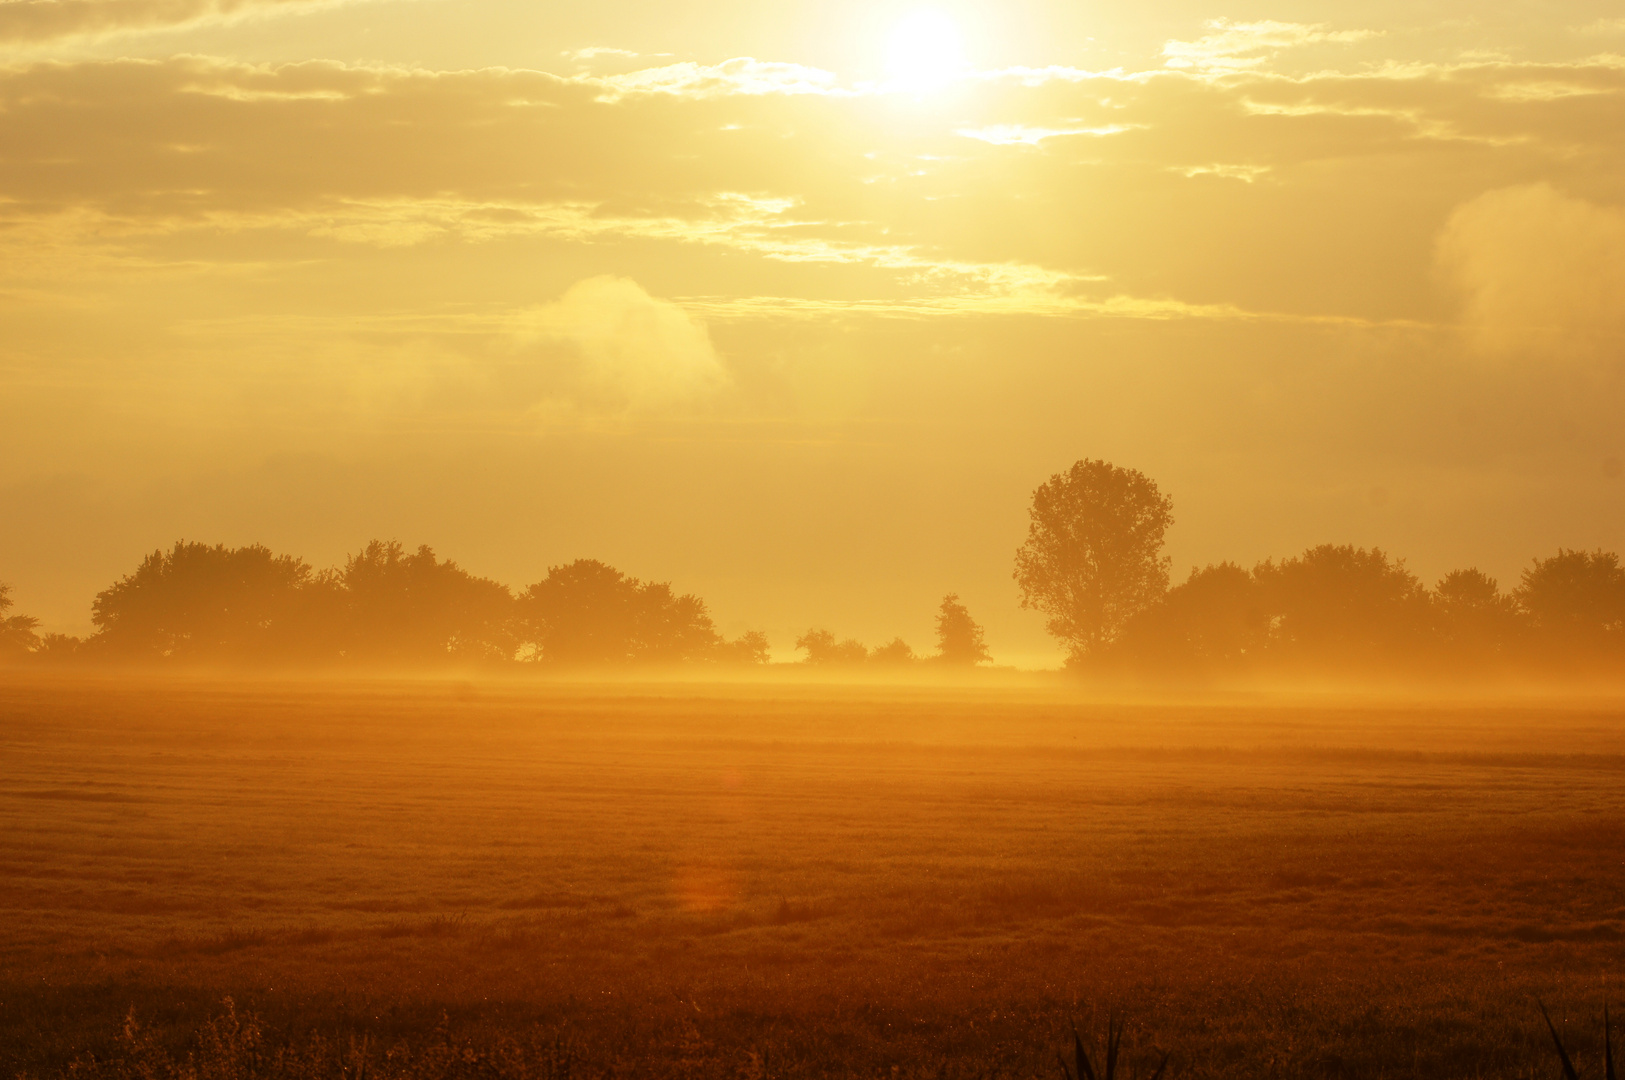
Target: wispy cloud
<point x="1014" y="134"/>
<point x="593" y="52"/>
<point x="766" y="167"/>
<point x="36" y="22"/>
<point x="1245" y="173"/>
<point x="741" y="75"/>
<point x="1239" y="46"/>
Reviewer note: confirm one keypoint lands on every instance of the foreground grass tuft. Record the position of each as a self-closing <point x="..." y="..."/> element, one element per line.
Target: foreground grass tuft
<point x="233" y="1046"/>
<point x="1569" y="1070"/>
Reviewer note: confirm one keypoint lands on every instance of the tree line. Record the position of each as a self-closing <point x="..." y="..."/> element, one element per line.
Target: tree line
<point x="387" y="606"/>
<point x="1093" y="564"/>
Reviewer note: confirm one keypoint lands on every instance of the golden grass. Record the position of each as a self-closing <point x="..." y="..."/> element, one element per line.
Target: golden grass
<point x="692" y="880"/>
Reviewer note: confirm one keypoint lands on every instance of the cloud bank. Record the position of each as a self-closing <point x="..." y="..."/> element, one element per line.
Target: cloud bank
<point x="37" y="22"/>
<point x="1301" y="197"/>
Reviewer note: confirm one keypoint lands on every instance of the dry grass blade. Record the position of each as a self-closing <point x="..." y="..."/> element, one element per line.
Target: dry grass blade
<point x="1568" y="1066"/>
<point x="1086" y="1071"/>
<point x="1607" y="1045"/>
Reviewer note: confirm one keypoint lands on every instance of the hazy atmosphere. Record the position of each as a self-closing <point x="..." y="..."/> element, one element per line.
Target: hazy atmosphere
<point x="795" y="305"/>
<point x="811" y="541"/>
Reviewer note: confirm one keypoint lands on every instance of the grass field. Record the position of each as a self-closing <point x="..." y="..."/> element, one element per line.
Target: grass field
<point x="458" y="879"/>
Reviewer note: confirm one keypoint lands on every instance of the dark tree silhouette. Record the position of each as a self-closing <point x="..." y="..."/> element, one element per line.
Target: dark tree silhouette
<point x="60" y="648"/>
<point x="17" y="635"/>
<point x="1473" y="618"/>
<point x="587" y="613"/>
<point x="1575" y="599"/>
<point x="210" y="604"/>
<point x="748" y="648"/>
<point x="1341" y="604"/>
<point x="895" y="653"/>
<point x="959" y="638"/>
<point x="1331" y="607"/>
<point x="671" y="629"/>
<point x="413" y="607"/>
<point x="1093" y="554"/>
<point x="390" y="606"/>
<point x="823" y="649"/>
<point x="1214" y="620"/>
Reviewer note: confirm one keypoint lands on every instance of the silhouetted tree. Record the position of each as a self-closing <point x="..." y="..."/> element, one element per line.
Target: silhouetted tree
<point x="959" y="638"/>
<point x="1473" y="618"/>
<point x="671" y="629"/>
<point x="589" y="613"/>
<point x="1093" y="554"/>
<point x="581" y="613"/>
<point x="60" y="648"/>
<point x="1575" y="600"/>
<point x="823" y="649"/>
<point x="748" y="648"/>
<point x="412" y="607"/>
<point x="198" y="603"/>
<point x="895" y="653"/>
<point x="1214" y="620"/>
<point x="17" y="635"/>
<point x="1341" y="604"/>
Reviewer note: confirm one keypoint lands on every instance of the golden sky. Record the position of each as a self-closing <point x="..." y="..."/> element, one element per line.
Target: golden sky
<point x="793" y="305"/>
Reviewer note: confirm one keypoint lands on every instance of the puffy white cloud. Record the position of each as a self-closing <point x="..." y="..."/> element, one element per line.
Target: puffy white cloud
<point x="621" y="349"/>
<point x="1541" y="273"/>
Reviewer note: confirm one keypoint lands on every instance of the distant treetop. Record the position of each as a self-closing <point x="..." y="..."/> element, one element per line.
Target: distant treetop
<point x="959" y="638"/>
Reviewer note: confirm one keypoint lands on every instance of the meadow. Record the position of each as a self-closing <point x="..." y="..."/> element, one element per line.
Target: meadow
<point x="487" y="878"/>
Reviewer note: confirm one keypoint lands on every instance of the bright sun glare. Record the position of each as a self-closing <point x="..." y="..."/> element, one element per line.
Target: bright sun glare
<point x="924" y="51"/>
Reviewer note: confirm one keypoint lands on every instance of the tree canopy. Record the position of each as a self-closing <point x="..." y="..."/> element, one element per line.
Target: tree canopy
<point x="1575" y="597"/>
<point x="1093" y="557"/>
<point x="1356" y="610"/>
<point x="959" y="638"/>
<point x="412" y="606"/>
<point x="386" y="606"/>
<point x="203" y="603"/>
<point x="587" y="613"/>
<point x="1342" y="603"/>
<point x="823" y="648"/>
<point x="17" y="636"/>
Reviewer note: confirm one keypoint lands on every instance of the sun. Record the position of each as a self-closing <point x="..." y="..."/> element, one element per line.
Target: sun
<point x="924" y="52"/>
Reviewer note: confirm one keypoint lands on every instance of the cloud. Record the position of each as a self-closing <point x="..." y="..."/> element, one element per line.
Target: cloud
<point x="35" y="22"/>
<point x="1012" y="134"/>
<point x="1540" y="273"/>
<point x="593" y="52"/>
<point x="618" y="348"/>
<point x="1046" y="192"/>
<point x="1234" y="46"/>
<point x="742" y="75"/>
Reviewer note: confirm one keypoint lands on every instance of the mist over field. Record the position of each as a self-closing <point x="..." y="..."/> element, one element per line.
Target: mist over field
<point x="684" y="881"/>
